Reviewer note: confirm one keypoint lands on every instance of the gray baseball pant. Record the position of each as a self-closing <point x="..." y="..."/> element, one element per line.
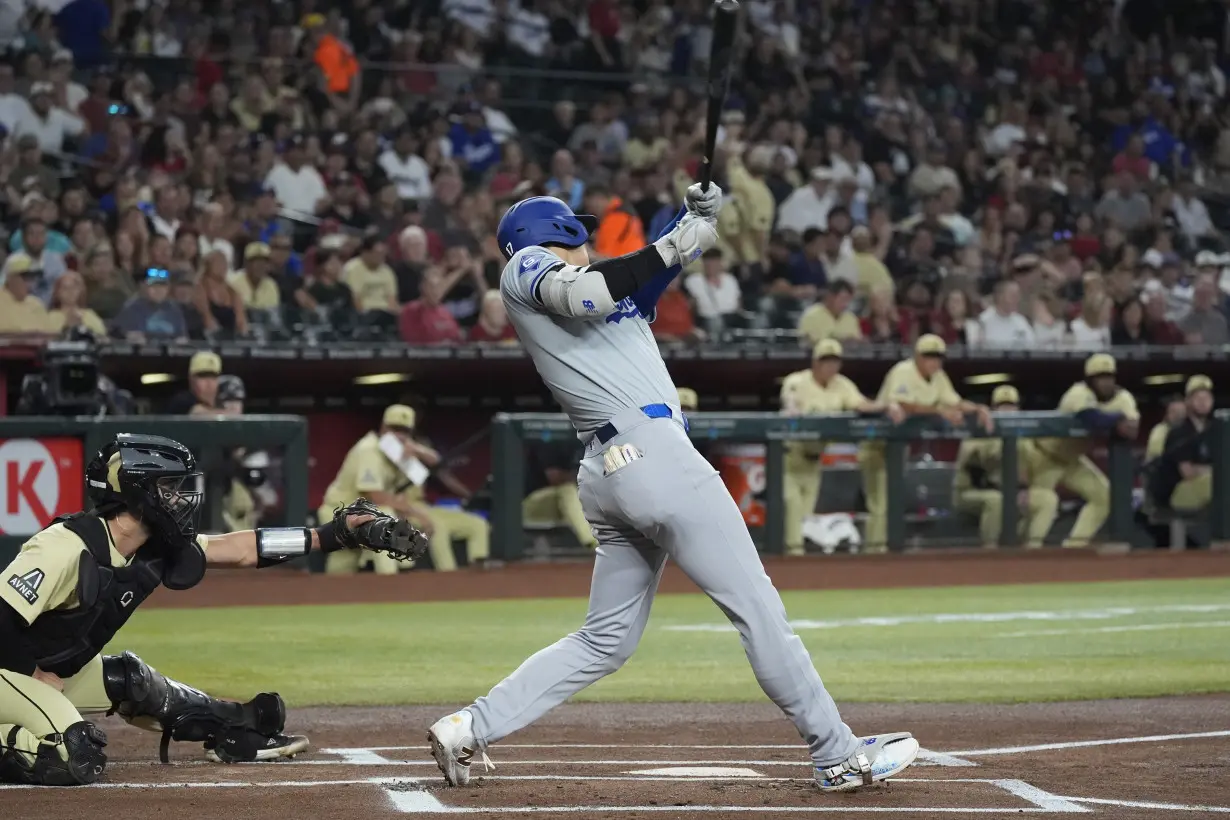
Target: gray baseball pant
<point x="671" y="502"/>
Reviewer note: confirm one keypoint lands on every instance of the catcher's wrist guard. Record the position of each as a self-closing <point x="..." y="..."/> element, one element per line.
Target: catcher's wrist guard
<point x="275" y="545"/>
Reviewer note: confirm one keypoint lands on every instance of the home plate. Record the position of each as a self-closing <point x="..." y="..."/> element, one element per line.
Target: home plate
<point x="697" y="771"/>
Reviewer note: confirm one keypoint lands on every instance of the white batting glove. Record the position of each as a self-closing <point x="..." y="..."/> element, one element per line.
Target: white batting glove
<point x="691" y="237"/>
<point x="702" y="202"/>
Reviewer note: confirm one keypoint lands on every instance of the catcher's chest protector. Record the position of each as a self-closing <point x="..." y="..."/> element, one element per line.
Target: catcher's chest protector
<point x="64" y="641"/>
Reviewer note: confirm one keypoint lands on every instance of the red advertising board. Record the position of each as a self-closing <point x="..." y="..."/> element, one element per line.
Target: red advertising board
<point x="40" y="478"/>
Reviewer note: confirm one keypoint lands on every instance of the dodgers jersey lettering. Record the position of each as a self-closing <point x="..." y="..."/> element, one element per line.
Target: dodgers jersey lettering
<point x="594" y="367"/>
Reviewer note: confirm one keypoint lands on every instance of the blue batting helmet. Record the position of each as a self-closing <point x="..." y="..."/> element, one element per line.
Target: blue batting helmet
<point x="542" y="220"/>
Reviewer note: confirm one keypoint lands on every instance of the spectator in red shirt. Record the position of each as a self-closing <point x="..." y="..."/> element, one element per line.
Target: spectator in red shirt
<point x="426" y="321"/>
<point x="1132" y="159"/>
<point x="493" y="324"/>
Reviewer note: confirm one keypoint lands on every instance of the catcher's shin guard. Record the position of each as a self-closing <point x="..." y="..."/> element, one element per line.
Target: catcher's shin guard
<point x="140" y="695"/>
<point x="83" y="762"/>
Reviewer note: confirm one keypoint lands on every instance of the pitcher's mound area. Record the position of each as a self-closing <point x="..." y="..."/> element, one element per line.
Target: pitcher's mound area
<point x="1116" y="759"/>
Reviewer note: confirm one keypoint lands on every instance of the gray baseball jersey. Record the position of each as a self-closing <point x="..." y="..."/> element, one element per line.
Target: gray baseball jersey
<point x="660" y="499"/>
<point x="594" y="367"/>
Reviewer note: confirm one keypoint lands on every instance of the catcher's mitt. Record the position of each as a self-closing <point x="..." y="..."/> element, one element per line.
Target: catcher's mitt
<point x="383" y="533"/>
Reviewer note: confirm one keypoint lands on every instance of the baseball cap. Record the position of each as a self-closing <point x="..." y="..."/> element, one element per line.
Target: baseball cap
<point x="1100" y="364"/>
<point x="822" y="173"/>
<point x="18" y="264"/>
<point x="1005" y="394"/>
<point x="399" y="415"/>
<point x="1198" y="382"/>
<point x="688" y="399"/>
<point x="205" y="363"/>
<point x="62" y="55"/>
<point x="40" y="88"/>
<point x="256" y="250"/>
<point x="1207" y="259"/>
<point x="930" y="345"/>
<point x="826" y="349"/>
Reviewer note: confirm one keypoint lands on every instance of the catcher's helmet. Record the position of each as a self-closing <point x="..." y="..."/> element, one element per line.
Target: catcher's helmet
<point x="156" y="480"/>
<point x="542" y="220"/>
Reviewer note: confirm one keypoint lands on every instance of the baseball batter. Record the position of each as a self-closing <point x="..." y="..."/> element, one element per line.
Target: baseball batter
<point x="1100" y="404"/>
<point x="646" y="491"/>
<point x="978" y="473"/>
<point x="76" y="583"/>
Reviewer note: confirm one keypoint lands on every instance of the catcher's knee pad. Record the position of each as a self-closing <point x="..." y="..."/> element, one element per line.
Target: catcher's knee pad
<point x="83" y="762"/>
<point x="138" y="691"/>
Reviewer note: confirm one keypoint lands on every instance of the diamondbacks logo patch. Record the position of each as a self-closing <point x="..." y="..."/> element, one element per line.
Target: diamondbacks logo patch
<point x="27" y="585"/>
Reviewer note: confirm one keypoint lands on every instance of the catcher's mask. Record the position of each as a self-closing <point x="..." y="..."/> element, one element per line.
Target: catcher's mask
<point x="156" y="480"/>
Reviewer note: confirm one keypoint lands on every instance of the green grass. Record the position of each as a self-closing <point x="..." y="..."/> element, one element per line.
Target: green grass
<point x="451" y="652"/>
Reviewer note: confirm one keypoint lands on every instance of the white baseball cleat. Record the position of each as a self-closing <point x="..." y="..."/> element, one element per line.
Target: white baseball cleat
<point x="453" y="746"/>
<point x="878" y="758"/>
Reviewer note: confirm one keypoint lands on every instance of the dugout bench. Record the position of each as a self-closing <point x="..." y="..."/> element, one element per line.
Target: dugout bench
<point x="510" y="432"/>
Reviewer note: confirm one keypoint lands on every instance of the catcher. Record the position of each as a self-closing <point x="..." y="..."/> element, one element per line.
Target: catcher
<point x="76" y="583"/>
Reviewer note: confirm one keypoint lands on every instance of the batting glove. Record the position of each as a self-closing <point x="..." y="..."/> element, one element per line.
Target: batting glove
<point x="704" y="203"/>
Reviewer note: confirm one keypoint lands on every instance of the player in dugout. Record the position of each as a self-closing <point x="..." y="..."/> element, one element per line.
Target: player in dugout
<point x="921" y="388"/>
<point x="1184" y="479"/>
<point x="77" y="582"/>
<point x="978" y="475"/>
<point x="370" y="470"/>
<point x="819" y="390"/>
<point x="1102" y="405"/>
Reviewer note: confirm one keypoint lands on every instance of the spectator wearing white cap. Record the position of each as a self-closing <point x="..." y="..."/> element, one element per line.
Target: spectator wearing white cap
<point x="49" y="124"/>
<point x="809" y="205"/>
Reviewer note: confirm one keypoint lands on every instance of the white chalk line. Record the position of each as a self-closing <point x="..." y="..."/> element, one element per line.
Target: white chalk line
<point x="1111" y="629"/>
<point x="1080" y="744"/>
<point x="1100" y="613"/>
<point x="1039" y="801"/>
<point x="1145" y="804"/>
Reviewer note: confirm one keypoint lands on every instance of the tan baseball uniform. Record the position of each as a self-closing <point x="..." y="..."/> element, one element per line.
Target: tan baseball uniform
<point x="1064" y="461"/>
<point x="44" y="578"/>
<point x="801" y="394"/>
<point x="904" y="384"/>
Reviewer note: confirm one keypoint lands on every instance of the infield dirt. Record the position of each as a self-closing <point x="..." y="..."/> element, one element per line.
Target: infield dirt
<point x="1114" y="759"/>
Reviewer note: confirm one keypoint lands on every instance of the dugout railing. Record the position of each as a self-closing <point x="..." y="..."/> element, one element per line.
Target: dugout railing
<point x="204" y="435"/>
<point x="511" y="432"/>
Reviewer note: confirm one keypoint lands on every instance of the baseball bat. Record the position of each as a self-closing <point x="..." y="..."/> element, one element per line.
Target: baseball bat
<point x="721" y="61"/>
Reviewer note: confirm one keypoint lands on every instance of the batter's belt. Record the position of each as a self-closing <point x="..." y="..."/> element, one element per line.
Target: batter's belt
<point x="631" y="417"/>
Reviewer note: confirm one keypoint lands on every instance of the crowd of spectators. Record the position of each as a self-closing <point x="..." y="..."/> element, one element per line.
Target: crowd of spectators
<point x="1001" y="172"/>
